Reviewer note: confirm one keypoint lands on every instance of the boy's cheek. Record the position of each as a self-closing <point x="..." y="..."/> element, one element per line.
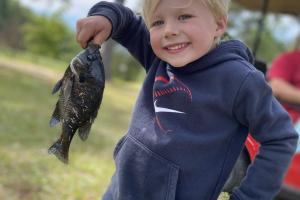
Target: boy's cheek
<point x="155" y="43"/>
<point x="153" y="37"/>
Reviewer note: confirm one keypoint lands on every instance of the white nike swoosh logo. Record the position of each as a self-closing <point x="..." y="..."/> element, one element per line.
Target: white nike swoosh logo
<point x="167" y="110"/>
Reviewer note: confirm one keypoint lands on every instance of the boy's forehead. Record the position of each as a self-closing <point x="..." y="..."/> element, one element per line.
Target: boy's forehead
<point x="177" y="3"/>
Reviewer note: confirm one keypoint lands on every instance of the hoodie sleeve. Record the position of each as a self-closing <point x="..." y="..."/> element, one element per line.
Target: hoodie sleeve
<point x="128" y="29"/>
<point x="256" y="108"/>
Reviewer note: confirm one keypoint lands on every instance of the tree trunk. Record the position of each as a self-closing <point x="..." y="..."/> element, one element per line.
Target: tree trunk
<point x="107" y="53"/>
<point x="107" y="57"/>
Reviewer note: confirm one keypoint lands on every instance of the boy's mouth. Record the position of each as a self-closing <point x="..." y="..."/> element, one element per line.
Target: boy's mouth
<point x="175" y="48"/>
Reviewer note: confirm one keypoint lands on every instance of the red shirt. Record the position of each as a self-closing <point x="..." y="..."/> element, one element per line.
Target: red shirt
<point x="287" y="67"/>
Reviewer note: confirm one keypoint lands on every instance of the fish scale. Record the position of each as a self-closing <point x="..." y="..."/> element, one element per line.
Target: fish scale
<point x="81" y="91"/>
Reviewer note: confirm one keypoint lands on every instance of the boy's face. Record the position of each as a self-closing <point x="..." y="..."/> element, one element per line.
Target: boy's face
<point x="182" y="34"/>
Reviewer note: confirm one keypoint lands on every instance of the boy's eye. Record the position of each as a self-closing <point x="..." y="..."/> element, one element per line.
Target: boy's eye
<point x="184" y="17"/>
<point x="157" y="23"/>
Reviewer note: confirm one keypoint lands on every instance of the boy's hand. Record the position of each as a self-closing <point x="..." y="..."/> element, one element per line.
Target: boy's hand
<point x="93" y="28"/>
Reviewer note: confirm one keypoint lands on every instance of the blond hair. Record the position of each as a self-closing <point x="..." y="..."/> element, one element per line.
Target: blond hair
<point x="219" y="8"/>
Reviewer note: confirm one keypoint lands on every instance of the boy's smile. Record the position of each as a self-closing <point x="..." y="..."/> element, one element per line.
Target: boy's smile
<point x="176" y="48"/>
<point x="182" y="34"/>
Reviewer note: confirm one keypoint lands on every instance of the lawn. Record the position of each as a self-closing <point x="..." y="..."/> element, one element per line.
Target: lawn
<point x="27" y="171"/>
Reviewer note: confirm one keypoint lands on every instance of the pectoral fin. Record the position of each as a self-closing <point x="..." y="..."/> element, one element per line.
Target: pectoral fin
<point x="84" y="131"/>
<point x="55" y="119"/>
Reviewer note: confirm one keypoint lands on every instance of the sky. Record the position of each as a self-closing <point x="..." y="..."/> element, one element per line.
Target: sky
<point x="285" y="31"/>
<point x="78" y="8"/>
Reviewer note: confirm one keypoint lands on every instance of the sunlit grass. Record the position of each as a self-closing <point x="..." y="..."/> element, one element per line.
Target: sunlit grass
<point x="27" y="171"/>
<point x="29" y="58"/>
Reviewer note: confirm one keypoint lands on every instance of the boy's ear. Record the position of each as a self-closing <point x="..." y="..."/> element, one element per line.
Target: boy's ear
<point x="221" y="26"/>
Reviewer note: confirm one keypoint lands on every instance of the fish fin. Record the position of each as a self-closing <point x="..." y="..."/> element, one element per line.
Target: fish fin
<point x="84" y="131"/>
<point x="55" y="119"/>
<point x="57" y="150"/>
<point x="68" y="89"/>
<point x="57" y="86"/>
<point x="53" y="122"/>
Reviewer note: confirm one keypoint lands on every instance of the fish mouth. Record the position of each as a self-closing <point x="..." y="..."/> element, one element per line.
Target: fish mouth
<point x="75" y="59"/>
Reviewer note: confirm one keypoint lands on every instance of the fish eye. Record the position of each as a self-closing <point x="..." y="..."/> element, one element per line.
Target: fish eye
<point x="91" y="57"/>
<point x="81" y="78"/>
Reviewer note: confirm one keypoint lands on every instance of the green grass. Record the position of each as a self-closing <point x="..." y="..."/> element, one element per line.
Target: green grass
<point x="27" y="171"/>
<point x="29" y="58"/>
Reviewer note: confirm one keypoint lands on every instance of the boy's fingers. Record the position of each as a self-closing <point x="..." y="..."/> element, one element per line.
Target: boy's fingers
<point x="84" y="32"/>
<point x="78" y="26"/>
<point x="95" y="28"/>
<point x="79" y="35"/>
<point x="83" y="36"/>
<point x="100" y="37"/>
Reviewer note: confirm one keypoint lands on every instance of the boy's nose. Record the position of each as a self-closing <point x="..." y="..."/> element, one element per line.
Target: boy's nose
<point x="171" y="30"/>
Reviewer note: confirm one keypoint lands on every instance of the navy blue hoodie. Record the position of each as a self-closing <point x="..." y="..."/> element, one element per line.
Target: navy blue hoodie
<point x="189" y="124"/>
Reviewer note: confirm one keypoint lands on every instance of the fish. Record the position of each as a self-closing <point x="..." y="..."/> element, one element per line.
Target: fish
<point x="81" y="92"/>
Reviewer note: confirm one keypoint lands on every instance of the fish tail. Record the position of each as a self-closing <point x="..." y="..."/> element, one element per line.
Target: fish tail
<point x="60" y="150"/>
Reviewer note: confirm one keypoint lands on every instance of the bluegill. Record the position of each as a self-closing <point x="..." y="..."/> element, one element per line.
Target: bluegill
<point x="81" y="91"/>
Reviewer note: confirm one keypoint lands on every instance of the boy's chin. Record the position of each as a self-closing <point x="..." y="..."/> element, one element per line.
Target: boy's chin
<point x="177" y="66"/>
<point x="180" y="63"/>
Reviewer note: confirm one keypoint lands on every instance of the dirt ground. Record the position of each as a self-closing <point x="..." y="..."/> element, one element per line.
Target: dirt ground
<point x="31" y="69"/>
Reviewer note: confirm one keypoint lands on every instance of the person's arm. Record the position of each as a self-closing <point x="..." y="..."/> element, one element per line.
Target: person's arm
<point x="256" y="108"/>
<point x="285" y="91"/>
<point x="282" y="75"/>
<point x="128" y="29"/>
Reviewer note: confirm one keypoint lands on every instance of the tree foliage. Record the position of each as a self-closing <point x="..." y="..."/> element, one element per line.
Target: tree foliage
<point x="12" y="17"/>
<point x="244" y="26"/>
<point x="49" y="36"/>
<point x="125" y="66"/>
<point x="22" y="29"/>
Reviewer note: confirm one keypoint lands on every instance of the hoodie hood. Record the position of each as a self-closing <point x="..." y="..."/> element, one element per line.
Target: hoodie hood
<point x="226" y="51"/>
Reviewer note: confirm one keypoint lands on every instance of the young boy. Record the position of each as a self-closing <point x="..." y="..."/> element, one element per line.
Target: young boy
<point x="199" y="101"/>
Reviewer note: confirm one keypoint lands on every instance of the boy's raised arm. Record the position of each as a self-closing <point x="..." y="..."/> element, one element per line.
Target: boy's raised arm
<point x="125" y="27"/>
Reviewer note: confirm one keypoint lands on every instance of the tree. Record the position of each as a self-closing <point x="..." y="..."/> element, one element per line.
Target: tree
<point x="107" y="54"/>
<point x="125" y="66"/>
<point x="49" y="36"/>
<point x="246" y="27"/>
<point x="12" y="16"/>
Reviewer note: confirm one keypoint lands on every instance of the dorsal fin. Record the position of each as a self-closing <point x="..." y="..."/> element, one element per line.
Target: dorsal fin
<point x="57" y="86"/>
